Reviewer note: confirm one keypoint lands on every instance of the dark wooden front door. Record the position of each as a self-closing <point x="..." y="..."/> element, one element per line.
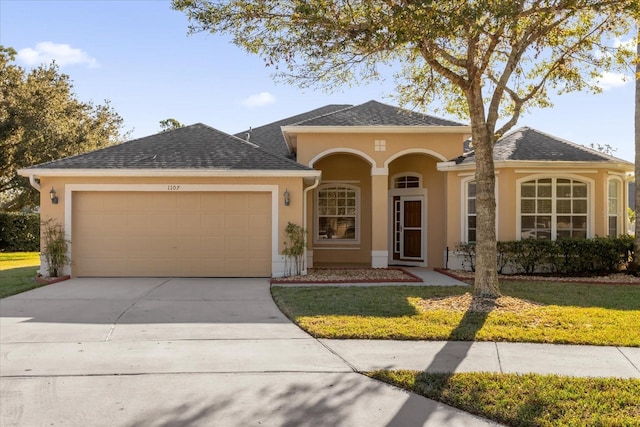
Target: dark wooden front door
<point x="408" y="228"/>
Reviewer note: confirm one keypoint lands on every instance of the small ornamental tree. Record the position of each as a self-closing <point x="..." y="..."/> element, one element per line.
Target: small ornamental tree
<point x="55" y="247"/>
<point x="294" y="245"/>
<point x="485" y="60"/>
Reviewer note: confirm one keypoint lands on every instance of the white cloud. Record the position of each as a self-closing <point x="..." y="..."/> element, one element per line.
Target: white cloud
<point x="259" y="100"/>
<point x="609" y="80"/>
<point x="63" y="54"/>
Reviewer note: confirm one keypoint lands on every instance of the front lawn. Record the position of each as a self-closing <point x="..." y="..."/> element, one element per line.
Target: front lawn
<point x="531" y="399"/>
<point x="18" y="272"/>
<point x="550" y="312"/>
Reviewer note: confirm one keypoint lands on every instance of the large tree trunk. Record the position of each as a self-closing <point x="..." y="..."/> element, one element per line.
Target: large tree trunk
<point x="486" y="276"/>
<point x="636" y="257"/>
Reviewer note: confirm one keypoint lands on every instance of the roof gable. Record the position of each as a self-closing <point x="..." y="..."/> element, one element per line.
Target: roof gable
<point x="196" y="146"/>
<point x="527" y="144"/>
<point x="374" y="113"/>
<point x="269" y="137"/>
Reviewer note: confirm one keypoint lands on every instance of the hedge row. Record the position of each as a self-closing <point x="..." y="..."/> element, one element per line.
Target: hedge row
<point x="19" y="232"/>
<point x="600" y="255"/>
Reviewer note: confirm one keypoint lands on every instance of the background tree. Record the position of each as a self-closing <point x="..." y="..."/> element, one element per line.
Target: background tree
<point x="170" y="124"/>
<point x="42" y="120"/>
<point x="485" y="60"/>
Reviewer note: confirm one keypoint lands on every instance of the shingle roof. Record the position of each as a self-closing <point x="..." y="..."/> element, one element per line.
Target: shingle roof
<point x="375" y="113"/>
<point x="269" y="137"/>
<point x="192" y="147"/>
<point x="530" y="144"/>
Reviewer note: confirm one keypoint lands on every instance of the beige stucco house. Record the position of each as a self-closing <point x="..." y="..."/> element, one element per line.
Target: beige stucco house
<point x="373" y="185"/>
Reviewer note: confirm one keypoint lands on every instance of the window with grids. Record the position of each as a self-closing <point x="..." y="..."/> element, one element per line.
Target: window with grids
<point x="553" y="208"/>
<point x="613" y="209"/>
<point x="471" y="212"/>
<point x="337" y="207"/>
<point x="407" y="181"/>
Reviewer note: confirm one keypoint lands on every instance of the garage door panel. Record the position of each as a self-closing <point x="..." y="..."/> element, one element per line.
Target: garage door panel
<point x="258" y="265"/>
<point x="259" y="223"/>
<point x="259" y="245"/>
<point x="236" y="202"/>
<point x="212" y="203"/>
<point x="111" y="202"/>
<point x="90" y="202"/>
<point x="188" y="246"/>
<point x="212" y="225"/>
<point x="190" y="202"/>
<point x="150" y="266"/>
<point x="115" y="223"/>
<point x="199" y="234"/>
<point x="261" y="202"/>
<point x="188" y="224"/>
<point x="138" y="202"/>
<point x="236" y="245"/>
<point x="236" y="224"/>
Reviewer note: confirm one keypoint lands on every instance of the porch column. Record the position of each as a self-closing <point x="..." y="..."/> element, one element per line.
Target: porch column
<point x="379" y="217"/>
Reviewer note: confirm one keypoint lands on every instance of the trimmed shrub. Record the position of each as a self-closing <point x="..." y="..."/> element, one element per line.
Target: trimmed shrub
<point x="600" y="255"/>
<point x="19" y="232"/>
<point x="468" y="251"/>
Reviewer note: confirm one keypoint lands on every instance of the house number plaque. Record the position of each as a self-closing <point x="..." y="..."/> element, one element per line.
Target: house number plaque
<point x="173" y="187"/>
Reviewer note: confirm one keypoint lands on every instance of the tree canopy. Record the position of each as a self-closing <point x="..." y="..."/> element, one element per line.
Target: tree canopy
<point x="170" y="124"/>
<point x="485" y="60"/>
<point x="42" y="120"/>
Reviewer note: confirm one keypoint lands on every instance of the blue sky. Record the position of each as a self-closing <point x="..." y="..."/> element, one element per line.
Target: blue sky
<point x="138" y="55"/>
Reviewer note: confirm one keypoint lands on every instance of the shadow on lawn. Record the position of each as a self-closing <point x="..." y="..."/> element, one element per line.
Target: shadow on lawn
<point x="392" y="301"/>
<point x="450" y="356"/>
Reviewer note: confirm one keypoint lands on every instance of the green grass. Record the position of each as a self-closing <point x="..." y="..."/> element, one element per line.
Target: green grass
<point x="531" y="399"/>
<point x="571" y="314"/>
<point x="18" y="272"/>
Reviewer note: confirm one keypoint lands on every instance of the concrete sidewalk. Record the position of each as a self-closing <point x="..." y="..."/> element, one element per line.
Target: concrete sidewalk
<point x="459" y="356"/>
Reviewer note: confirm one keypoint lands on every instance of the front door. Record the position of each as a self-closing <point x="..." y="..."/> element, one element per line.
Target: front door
<point x="408" y="228"/>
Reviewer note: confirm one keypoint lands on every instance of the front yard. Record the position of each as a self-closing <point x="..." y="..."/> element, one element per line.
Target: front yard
<point x="539" y="312"/>
<point x="18" y="272"/>
<point x="529" y="400"/>
<point x="532" y="311"/>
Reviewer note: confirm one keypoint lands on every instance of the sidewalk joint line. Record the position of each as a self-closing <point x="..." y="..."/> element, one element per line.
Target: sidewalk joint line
<point x="498" y="356"/>
<point x="345" y="361"/>
<point x="628" y="360"/>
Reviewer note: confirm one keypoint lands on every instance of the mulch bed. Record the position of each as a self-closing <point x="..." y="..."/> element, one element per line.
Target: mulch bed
<point x="351" y="275"/>
<point x="467" y="302"/>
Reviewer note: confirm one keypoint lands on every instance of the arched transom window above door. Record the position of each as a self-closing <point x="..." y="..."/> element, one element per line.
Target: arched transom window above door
<point x="407" y="181"/>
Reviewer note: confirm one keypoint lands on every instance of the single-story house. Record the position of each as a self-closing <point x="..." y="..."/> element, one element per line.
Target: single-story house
<point x="372" y="184"/>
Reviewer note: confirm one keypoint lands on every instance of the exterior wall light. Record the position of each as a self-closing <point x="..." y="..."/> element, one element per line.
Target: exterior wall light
<point x="287" y="197"/>
<point x="53" y="196"/>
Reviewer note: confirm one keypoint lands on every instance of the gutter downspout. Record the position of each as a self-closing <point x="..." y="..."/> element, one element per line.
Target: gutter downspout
<point x="43" y="266"/>
<point x="35" y="184"/>
<point x="304" y="218"/>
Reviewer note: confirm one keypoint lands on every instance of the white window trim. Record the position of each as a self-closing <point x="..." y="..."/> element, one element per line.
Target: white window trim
<point x="316" y="217"/>
<point x="400" y="175"/>
<point x="621" y="206"/>
<point x="590" y="200"/>
<point x="464" y="207"/>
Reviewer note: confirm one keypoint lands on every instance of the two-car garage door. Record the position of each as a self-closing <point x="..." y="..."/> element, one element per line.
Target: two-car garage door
<point x="171" y="234"/>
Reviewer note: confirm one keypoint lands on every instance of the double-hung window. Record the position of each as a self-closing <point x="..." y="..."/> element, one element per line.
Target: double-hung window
<point x="337" y="213"/>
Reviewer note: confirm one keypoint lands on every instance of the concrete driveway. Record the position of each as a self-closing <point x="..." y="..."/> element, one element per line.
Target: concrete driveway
<point x="164" y="352"/>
